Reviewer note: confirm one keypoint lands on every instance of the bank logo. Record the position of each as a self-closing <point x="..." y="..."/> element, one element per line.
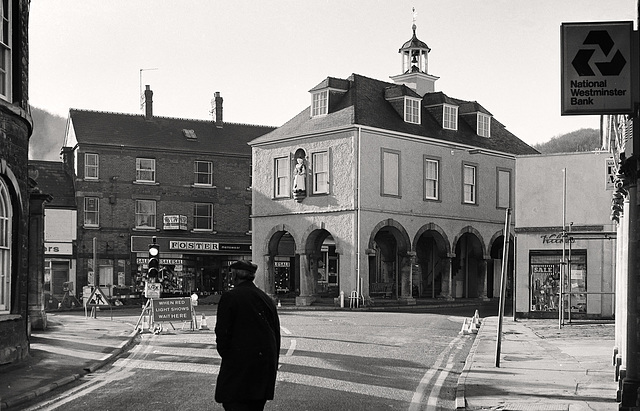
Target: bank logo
<point x="611" y="67"/>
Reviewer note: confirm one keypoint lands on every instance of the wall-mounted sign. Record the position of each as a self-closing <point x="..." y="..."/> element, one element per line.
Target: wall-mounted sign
<point x="556" y="239"/>
<point x="194" y="245"/>
<point x="174" y="222"/>
<point x="596" y="68"/>
<point x="58" y="248"/>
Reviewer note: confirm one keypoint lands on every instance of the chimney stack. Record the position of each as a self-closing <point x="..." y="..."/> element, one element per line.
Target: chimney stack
<point x="68" y="159"/>
<point x="217" y="110"/>
<point x="148" y="103"/>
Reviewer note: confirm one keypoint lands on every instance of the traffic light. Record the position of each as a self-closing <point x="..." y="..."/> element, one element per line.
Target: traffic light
<point x="154" y="260"/>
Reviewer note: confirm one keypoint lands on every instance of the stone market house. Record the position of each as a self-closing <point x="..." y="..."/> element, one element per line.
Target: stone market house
<point x="385" y="190"/>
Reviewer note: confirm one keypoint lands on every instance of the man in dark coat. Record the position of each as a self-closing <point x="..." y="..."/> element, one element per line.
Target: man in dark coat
<point x="248" y="340"/>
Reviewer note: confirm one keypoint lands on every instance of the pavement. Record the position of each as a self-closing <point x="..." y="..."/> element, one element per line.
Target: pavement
<point x="542" y="366"/>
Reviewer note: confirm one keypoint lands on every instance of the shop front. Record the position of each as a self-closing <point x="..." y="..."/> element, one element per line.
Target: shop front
<point x="188" y="265"/>
<point x="576" y="274"/>
<point x="59" y="275"/>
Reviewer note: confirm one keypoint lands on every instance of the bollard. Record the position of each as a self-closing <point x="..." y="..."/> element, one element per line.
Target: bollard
<point x="341" y="299"/>
<point x="203" y="323"/>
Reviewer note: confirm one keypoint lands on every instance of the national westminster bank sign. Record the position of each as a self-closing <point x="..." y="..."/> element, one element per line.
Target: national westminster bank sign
<point x="597" y="67"/>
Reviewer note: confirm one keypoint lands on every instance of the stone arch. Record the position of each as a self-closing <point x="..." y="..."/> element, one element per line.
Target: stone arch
<point x="431" y="268"/>
<point x="470" y="230"/>
<point x="442" y="240"/>
<point x="495" y="263"/>
<point x="469" y="266"/>
<point x="271" y="272"/>
<point x="390" y="262"/>
<point x="400" y="234"/>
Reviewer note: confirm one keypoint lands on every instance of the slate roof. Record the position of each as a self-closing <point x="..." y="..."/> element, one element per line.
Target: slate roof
<point x="52" y="179"/>
<point x="364" y="104"/>
<point x="131" y="130"/>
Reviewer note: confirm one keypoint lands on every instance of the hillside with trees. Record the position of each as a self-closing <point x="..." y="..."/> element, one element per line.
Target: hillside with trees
<point x="585" y="139"/>
<point x="48" y="135"/>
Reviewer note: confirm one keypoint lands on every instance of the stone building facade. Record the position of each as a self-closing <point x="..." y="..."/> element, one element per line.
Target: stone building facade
<point x="15" y="127"/>
<point x="383" y="190"/>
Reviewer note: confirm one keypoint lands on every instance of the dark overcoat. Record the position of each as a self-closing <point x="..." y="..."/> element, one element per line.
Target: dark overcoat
<point x="248" y="340"/>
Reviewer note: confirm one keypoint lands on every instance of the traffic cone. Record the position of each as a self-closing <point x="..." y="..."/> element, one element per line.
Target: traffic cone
<point x="465" y="329"/>
<point x="203" y="323"/>
<point x="279" y="305"/>
<point x="472" y="327"/>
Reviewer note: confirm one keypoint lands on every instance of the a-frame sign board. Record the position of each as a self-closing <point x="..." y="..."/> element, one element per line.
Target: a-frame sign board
<point x="96" y="299"/>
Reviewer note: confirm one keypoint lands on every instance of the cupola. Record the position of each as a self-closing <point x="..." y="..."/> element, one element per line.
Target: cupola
<point x="415" y="64"/>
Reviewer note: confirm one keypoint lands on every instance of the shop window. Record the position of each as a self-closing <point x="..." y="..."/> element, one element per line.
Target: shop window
<point x="545" y="281"/>
<point x="6" y="239"/>
<point x="145" y="214"/>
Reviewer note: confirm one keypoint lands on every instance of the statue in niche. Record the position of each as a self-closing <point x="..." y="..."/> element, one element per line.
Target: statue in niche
<point x="300" y="180"/>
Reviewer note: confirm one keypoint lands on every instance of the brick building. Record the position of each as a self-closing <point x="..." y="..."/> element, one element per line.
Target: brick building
<point x="185" y="182"/>
<point x="60" y="230"/>
<point x="15" y="126"/>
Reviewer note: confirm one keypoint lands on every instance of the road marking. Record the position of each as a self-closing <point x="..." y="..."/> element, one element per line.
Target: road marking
<point x="432" y="401"/>
<point x="369" y="390"/>
<point x="416" y="401"/>
<point x="291" y="349"/>
<point x="285" y="330"/>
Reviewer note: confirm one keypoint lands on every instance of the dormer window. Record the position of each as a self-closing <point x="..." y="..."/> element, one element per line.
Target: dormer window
<point x="484" y="125"/>
<point x="450" y="117"/>
<point x="319" y="103"/>
<point x="412" y="110"/>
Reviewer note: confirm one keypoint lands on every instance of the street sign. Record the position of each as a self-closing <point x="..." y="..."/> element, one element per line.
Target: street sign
<point x="97" y="299"/>
<point x="152" y="290"/>
<point x="596" y="68"/>
<point x="172" y="309"/>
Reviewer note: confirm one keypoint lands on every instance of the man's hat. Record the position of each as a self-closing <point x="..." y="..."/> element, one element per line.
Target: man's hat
<point x="244" y="265"/>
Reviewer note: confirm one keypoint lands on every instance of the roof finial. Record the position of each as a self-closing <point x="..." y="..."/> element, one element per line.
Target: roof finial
<point x="415" y="16"/>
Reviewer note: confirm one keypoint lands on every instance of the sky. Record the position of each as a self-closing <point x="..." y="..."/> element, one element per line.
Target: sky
<point x="264" y="56"/>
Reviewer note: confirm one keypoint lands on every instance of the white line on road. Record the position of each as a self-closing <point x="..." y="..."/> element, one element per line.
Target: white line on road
<point x="430" y="374"/>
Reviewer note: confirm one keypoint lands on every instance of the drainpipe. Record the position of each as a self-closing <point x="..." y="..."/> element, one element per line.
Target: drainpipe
<point x="358" y="245"/>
